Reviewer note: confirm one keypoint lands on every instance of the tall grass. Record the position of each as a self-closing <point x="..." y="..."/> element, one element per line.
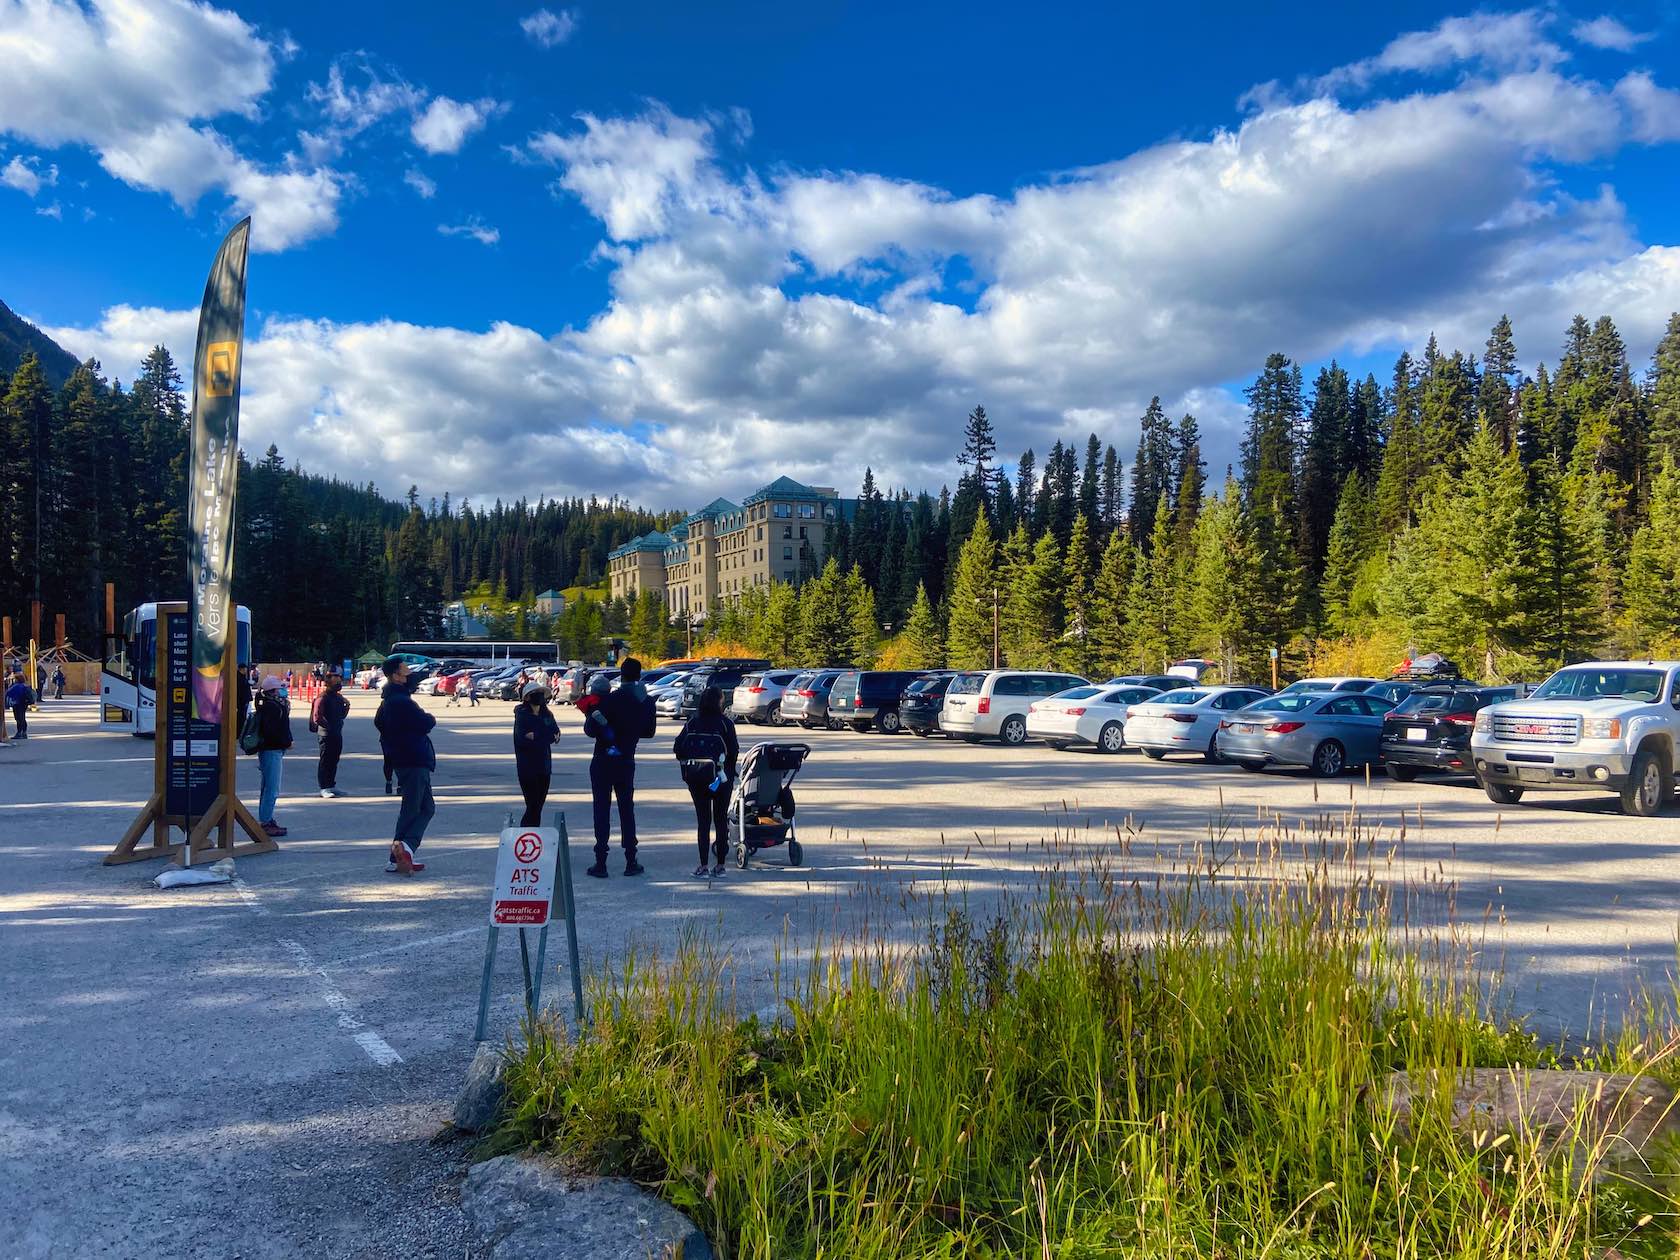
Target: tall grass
<point x="1188" y="1064"/>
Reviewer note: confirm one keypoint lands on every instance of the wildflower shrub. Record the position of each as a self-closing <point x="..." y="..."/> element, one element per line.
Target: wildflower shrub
<point x="1188" y="1066"/>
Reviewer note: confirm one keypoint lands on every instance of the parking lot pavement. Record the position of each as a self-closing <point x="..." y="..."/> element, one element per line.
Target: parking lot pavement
<point x="257" y="1070"/>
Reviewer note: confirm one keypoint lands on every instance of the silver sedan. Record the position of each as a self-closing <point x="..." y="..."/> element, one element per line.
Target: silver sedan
<point x="1186" y="720"/>
<point x="1325" y="730"/>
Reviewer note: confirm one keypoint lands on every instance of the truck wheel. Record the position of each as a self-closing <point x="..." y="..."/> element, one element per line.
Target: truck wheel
<point x="1329" y="759"/>
<point x="1643" y="794"/>
<point x="889" y="722"/>
<point x="1503" y="793"/>
<point x="1014" y="731"/>
<point x="1112" y="738"/>
<point x="1401" y="774"/>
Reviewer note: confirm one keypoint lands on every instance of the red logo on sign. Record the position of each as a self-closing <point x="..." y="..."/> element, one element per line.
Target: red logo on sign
<point x="515" y="913"/>
<point x="528" y="848"/>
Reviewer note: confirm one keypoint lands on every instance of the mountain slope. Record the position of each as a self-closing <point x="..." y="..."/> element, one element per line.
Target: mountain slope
<point x="18" y="337"/>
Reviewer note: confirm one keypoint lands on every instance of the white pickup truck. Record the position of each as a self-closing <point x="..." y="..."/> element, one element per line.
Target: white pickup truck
<point x="1608" y="725"/>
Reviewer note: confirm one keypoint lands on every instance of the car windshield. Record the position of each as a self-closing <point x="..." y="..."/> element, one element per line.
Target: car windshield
<point x="1432" y="702"/>
<point x="1077" y="693"/>
<point x="1284" y="702"/>
<point x="1601" y="684"/>
<point x="1186" y="696"/>
<point x="966" y="685"/>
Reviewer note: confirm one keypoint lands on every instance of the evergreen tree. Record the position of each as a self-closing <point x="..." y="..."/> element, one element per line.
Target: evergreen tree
<point x="1269" y="494"/>
<point x="865" y="636"/>
<point x="1110" y="600"/>
<point x="1035" y="604"/>
<point x="1497" y="402"/>
<point x="781" y="636"/>
<point x="1015" y="558"/>
<point x="1652" y="583"/>
<point x="1153" y="605"/>
<point x="1153" y="474"/>
<point x="1113" y="493"/>
<point x="923" y="637"/>
<point x="1221" y="586"/>
<point x="1560" y="621"/>
<point x="978" y="451"/>
<point x="1026" y="489"/>
<point x="1367" y="422"/>
<point x="1665" y="394"/>
<point x="1323" y="464"/>
<point x="827" y="632"/>
<point x="27" y="412"/>
<point x="1077" y="651"/>
<point x="1090" y="479"/>
<point x="1349" y="544"/>
<point x="649" y="631"/>
<point x="1403" y="459"/>
<point x="1478" y="591"/>
<point x="968" y="638"/>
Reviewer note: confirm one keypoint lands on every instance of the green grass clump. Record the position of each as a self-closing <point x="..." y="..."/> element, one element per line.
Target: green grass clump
<point x="1185" y="1067"/>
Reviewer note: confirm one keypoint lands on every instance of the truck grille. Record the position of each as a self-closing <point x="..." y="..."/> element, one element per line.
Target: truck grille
<point x="1522" y="729"/>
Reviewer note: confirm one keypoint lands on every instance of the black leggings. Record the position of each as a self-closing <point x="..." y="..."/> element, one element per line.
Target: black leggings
<point x="711" y="813"/>
<point x="534" y="784"/>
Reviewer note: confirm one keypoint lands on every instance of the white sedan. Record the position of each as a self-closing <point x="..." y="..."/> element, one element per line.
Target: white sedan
<point x="1093" y="715"/>
<point x="1186" y="720"/>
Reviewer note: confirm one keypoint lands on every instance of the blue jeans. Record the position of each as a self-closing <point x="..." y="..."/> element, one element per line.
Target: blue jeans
<point x="269" y="763"/>
<point x="415" y="784"/>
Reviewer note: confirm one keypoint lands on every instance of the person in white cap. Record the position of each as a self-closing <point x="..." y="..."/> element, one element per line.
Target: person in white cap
<point x="274" y="737"/>
<point x="535" y="732"/>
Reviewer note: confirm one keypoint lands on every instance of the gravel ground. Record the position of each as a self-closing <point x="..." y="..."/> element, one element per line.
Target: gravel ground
<point x="223" y="1044"/>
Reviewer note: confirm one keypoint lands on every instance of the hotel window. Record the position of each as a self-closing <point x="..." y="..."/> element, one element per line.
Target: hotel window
<point x="807" y="511"/>
<point x="787" y="553"/>
<point x="787" y="531"/>
<point x="783" y="511"/>
<point x="802" y="533"/>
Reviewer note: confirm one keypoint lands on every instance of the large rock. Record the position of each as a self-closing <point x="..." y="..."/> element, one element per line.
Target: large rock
<point x="1627" y="1125"/>
<point x="526" y="1208"/>
<point x="481" y="1097"/>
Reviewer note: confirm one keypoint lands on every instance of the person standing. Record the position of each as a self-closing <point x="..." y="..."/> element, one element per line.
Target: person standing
<point x="326" y="719"/>
<point x="58" y="683"/>
<point x="18" y="699"/>
<point x="535" y="732"/>
<point x="405" y="740"/>
<point x="709" y="776"/>
<point x="274" y="737"/>
<point x="612" y="768"/>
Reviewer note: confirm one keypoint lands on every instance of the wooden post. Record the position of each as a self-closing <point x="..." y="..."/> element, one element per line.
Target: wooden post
<point x="5" y="636"/>
<point x="110" y="608"/>
<point x="58" y="632"/>
<point x="34" y="621"/>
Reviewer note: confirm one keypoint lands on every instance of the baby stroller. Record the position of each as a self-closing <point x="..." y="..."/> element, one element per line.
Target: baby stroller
<point x="761" y="806"/>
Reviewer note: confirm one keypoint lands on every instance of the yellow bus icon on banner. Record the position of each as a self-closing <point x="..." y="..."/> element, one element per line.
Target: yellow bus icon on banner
<point x="221" y="366"/>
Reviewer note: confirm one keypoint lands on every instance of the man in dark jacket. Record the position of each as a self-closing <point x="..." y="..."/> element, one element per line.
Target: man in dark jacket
<point x="274" y="737"/>
<point x="535" y="733"/>
<point x="327" y="721"/>
<point x="630" y="717"/>
<point x="405" y="739"/>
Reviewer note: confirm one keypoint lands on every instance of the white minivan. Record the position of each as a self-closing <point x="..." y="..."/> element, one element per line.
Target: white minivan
<point x="992" y="704"/>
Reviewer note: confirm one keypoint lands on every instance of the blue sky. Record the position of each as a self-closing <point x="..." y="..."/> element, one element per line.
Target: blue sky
<point x="664" y="251"/>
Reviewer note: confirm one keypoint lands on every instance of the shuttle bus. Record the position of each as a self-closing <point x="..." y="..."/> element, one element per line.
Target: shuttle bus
<point x="485" y="652"/>
<point x="128" y="671"/>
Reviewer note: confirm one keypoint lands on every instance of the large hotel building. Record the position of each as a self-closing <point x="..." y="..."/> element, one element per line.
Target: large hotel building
<point x="777" y="533"/>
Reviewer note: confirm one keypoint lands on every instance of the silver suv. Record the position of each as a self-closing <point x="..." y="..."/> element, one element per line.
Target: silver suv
<point x="758" y="698"/>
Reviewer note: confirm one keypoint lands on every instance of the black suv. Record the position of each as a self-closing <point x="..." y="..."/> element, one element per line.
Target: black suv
<point x="918" y="708"/>
<point x="870" y="697"/>
<point x="1430" y="729"/>
<point x="725" y="675"/>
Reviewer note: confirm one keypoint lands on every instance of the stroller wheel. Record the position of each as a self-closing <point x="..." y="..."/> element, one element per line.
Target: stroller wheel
<point x="741" y="856"/>
<point x="796" y="853"/>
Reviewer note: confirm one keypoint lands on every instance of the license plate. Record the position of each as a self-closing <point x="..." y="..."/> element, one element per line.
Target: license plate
<point x="1417" y="733"/>
<point x="1534" y="776"/>
<point x="1243" y="728"/>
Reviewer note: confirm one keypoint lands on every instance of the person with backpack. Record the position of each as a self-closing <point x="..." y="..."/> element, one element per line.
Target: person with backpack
<point x="326" y="719"/>
<point x="58" y="683"/>
<point x="273" y="716"/>
<point x="406" y="742"/>
<point x="535" y="732"/>
<point x="708" y="749"/>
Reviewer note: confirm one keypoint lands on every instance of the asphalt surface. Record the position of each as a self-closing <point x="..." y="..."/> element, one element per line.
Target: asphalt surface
<point x="260" y="1070"/>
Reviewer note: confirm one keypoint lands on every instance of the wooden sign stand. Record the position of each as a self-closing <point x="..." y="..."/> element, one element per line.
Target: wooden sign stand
<point x="228" y="813"/>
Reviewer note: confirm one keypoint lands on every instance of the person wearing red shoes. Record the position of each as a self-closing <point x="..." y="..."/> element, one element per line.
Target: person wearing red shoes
<point x="274" y="737"/>
<point x="405" y="740"/>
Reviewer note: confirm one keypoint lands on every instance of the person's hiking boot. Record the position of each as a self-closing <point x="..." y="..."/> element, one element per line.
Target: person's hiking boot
<point x="632" y="867"/>
<point x="598" y="871"/>
<point x="273" y="828"/>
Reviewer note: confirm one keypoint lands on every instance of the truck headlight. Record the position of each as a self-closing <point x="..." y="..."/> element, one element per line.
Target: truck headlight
<point x="1484" y="721"/>
<point x="1602" y="728"/>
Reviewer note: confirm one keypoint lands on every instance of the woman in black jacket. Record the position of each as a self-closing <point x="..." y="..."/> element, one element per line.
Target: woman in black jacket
<point x="274" y="737"/>
<point x="709" y="788"/>
<point x="535" y="732"/>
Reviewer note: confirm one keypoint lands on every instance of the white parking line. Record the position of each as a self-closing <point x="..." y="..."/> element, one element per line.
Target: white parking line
<point x="406" y="945"/>
<point x="377" y="1048"/>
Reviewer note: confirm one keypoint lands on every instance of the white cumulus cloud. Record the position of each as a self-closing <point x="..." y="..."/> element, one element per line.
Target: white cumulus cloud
<point x="27" y="175"/>
<point x="474" y="227"/>
<point x="427" y="188"/>
<point x="445" y="124"/>
<point x="138" y="82"/>
<point x="549" y="29"/>
<point x="1608" y="33"/>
